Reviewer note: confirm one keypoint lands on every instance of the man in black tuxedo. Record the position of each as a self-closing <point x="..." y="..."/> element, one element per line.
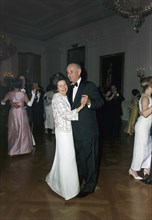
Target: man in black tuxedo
<point x="85" y="130"/>
<point x="26" y="87"/>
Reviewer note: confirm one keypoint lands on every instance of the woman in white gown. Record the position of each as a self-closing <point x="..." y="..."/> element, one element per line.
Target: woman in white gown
<point x="63" y="177"/>
<point x="49" y="120"/>
<point x="142" y="142"/>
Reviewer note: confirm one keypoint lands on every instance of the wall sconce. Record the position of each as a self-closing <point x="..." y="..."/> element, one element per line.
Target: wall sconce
<point x="9" y="75"/>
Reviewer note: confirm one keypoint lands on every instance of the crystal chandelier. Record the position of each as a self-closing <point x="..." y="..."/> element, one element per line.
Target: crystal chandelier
<point x="6" y="48"/>
<point x="134" y="10"/>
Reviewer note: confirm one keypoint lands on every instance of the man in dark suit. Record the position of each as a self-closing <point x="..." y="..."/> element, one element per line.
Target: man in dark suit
<point x="148" y="180"/>
<point x="26" y="87"/>
<point x="85" y="130"/>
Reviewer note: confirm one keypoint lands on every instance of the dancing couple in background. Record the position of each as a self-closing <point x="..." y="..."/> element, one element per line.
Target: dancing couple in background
<point x="20" y="139"/>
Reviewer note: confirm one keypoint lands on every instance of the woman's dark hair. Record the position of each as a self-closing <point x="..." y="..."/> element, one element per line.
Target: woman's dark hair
<point x="17" y="83"/>
<point x="56" y="78"/>
<point x="135" y="92"/>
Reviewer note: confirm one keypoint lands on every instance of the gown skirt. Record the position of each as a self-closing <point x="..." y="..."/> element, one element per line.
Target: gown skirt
<point x="142" y="144"/>
<point x="63" y="177"/>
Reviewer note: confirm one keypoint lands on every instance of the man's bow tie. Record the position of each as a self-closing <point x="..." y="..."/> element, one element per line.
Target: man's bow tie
<point x="75" y="84"/>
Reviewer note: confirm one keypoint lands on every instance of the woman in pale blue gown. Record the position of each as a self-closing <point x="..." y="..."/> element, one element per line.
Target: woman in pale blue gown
<point x="63" y="177"/>
<point x="142" y="142"/>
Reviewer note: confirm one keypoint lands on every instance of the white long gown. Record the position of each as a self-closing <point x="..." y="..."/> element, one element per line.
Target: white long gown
<point x="49" y="120"/>
<point x="63" y="177"/>
<point x="142" y="142"/>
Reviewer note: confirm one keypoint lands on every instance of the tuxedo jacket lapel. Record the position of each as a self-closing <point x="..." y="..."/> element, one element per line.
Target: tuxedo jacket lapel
<point x="70" y="91"/>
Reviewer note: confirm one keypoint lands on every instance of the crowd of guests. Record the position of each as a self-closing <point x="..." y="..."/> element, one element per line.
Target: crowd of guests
<point x="78" y="113"/>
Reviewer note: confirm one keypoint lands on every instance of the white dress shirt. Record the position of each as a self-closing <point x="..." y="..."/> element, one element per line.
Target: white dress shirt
<point x="75" y="89"/>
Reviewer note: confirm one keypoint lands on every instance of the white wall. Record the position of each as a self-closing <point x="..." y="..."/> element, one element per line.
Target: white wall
<point x="109" y="36"/>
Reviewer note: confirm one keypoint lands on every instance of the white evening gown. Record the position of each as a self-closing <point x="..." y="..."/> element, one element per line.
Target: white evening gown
<point x="49" y="120"/>
<point x="142" y="142"/>
<point x="63" y="177"/>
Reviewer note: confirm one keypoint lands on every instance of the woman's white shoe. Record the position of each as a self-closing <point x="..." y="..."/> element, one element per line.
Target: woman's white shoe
<point x="134" y="176"/>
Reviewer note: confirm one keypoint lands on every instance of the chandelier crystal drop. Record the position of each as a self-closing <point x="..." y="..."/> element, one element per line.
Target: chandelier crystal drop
<point x="134" y="10"/>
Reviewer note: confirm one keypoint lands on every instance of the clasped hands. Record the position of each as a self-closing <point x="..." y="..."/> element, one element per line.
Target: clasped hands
<point x="15" y="104"/>
<point x="85" y="100"/>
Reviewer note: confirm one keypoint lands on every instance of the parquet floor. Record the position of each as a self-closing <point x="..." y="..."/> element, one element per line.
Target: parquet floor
<point x="24" y="195"/>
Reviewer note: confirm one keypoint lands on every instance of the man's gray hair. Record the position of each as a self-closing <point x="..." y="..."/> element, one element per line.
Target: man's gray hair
<point x="76" y="64"/>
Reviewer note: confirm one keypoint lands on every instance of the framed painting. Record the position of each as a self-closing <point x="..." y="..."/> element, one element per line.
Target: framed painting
<point x="76" y="55"/>
<point x="29" y="64"/>
<point x="112" y="70"/>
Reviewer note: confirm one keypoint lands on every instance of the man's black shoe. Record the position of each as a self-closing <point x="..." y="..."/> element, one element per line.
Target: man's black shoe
<point x="83" y="194"/>
<point x="147" y="180"/>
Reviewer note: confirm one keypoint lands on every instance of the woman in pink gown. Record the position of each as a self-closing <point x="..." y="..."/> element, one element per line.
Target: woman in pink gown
<point x="19" y="133"/>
